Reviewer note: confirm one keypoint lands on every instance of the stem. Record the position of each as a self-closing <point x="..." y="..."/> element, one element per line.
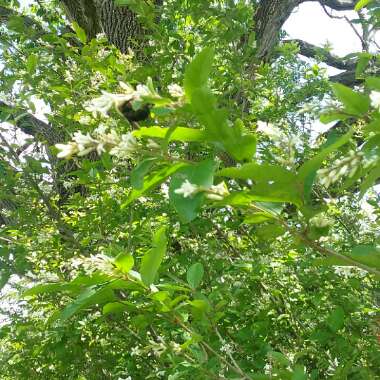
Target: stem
<point x="319" y="248"/>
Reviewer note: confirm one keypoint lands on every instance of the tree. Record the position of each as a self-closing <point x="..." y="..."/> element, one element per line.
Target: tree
<point x="167" y="212"/>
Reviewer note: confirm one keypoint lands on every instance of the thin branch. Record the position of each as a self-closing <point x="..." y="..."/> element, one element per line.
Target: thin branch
<point x="28" y="123"/>
<point x="339" y="5"/>
<point x="53" y="213"/>
<point x="325" y="251"/>
<point x="313" y="51"/>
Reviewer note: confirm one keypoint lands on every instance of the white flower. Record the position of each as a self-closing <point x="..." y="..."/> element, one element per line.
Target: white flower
<point x="127" y="88"/>
<point x="187" y="189"/>
<point x="217" y="192"/>
<point x="99" y="262"/>
<point x="375" y="99"/>
<point x="151" y="144"/>
<point x="101" y="129"/>
<point x="104" y="103"/>
<point x="269" y="129"/>
<point x="126" y="146"/>
<point x="321" y="220"/>
<point x="141" y="91"/>
<point x="82" y="139"/>
<point x="176" y="91"/>
<point x="67" y="150"/>
<point x="220" y="189"/>
<point x="85" y="119"/>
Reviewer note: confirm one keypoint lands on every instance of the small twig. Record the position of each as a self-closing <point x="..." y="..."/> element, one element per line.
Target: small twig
<point x="364" y="43"/>
<point x="319" y="248"/>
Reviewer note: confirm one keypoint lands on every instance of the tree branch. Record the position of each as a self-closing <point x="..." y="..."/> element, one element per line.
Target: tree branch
<point x="312" y="51"/>
<point x="6" y="14"/>
<point x="29" y="124"/>
<point x="338" y="5"/>
<point x="347" y="78"/>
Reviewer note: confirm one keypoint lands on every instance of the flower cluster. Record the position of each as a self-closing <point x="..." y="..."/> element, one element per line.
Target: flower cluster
<point x="122" y="146"/>
<point x="375" y="99"/>
<point x="102" y="104"/>
<point x="214" y="192"/>
<point x="177" y="91"/>
<point x="285" y="143"/>
<point x="321" y="220"/>
<point x="341" y="167"/>
<point x="94" y="263"/>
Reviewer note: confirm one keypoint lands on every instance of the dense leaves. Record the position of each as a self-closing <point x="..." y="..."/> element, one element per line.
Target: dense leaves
<point x="220" y="237"/>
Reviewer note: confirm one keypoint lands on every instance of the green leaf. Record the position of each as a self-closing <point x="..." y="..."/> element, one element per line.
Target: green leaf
<point x="4" y="277"/>
<point x="81" y="34"/>
<point x="117" y="307"/>
<point x="179" y="133"/>
<point x="93" y="295"/>
<point x="257" y="217"/>
<point x="50" y="288"/>
<point x="31" y="63"/>
<point x="362" y="64"/>
<point x="152" y="181"/>
<point x="361" y="4"/>
<point x="139" y="172"/>
<point x="152" y="259"/>
<point x="198" y="71"/>
<point x="272" y="183"/>
<point x="369" y="180"/>
<point x="336" y="319"/>
<point x="308" y="170"/>
<point x="195" y="274"/>
<point x="243" y="147"/>
<point x="200" y="174"/>
<point x="373" y="83"/>
<point x="330" y="116"/>
<point x="366" y="254"/>
<point x="124" y="262"/>
<point x="259" y="173"/>
<point x="354" y="102"/>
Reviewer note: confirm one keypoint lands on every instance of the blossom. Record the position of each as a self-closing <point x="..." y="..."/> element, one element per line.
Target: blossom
<point x="321" y="220"/>
<point x="82" y="139"/>
<point x="125" y="147"/>
<point x="104" y="103"/>
<point x="67" y="150"/>
<point x="217" y="192"/>
<point x="375" y="99"/>
<point x="98" y="262"/>
<point x="141" y="91"/>
<point x="187" y="189"/>
<point x="176" y="91"/>
<point x="151" y="144"/>
<point x="127" y="88"/>
<point x="269" y="129"/>
<point x="346" y="166"/>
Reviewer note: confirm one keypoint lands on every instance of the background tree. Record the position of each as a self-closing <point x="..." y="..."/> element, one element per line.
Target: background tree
<point x="217" y="238"/>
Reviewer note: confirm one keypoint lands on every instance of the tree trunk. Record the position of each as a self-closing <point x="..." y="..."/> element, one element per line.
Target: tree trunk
<point x="119" y="23"/>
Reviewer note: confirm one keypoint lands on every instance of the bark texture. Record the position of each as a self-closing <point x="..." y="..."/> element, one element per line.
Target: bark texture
<point x="269" y="17"/>
<point x="29" y="124"/>
<point x="120" y="24"/>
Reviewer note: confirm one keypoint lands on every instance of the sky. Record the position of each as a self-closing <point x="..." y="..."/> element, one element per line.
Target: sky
<point x="310" y="23"/>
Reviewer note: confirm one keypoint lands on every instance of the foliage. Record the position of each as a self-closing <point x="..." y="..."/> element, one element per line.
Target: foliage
<point x="217" y="238"/>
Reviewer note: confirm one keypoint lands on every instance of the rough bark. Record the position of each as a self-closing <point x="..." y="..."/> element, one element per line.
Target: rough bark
<point x="29" y="124"/>
<point x="268" y="20"/>
<point x="120" y="24"/>
<point x="271" y="15"/>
